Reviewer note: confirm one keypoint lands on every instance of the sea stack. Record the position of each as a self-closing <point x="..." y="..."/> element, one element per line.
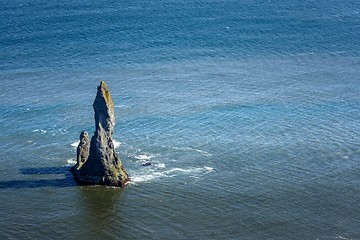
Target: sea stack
<point x="97" y="161"/>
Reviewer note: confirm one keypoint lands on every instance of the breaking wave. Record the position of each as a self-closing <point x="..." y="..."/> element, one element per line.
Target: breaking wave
<point x="71" y="161"/>
<point x="116" y="144"/>
<point x="159" y="172"/>
<point x="75" y="144"/>
<point x="143" y="157"/>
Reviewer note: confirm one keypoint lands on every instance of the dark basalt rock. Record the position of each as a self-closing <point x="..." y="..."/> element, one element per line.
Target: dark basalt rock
<point x="146" y="164"/>
<point x="83" y="149"/>
<point x="97" y="161"/>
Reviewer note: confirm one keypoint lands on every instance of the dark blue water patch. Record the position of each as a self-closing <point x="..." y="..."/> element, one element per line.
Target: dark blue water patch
<point x="89" y="33"/>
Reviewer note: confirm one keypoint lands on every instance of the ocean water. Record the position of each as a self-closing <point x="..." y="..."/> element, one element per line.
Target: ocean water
<point x="248" y="111"/>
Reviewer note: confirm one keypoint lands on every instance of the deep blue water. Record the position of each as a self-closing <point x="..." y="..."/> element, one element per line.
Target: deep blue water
<point x="248" y="111"/>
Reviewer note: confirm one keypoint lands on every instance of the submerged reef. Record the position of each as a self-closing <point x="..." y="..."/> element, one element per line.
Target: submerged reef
<point x="97" y="162"/>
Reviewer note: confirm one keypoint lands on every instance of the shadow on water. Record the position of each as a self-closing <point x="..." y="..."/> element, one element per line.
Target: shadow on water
<point x="45" y="170"/>
<point x="66" y="181"/>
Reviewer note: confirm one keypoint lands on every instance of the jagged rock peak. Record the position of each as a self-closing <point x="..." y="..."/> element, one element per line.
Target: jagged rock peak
<point x="97" y="161"/>
<point x="104" y="109"/>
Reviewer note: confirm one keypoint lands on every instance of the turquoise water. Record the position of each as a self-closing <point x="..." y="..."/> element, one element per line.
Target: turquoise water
<point x="247" y="110"/>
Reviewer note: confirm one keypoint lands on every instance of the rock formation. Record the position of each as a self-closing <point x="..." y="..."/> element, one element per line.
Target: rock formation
<point x="97" y="161"/>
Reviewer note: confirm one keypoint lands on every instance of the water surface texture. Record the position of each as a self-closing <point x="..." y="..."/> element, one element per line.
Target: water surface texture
<point x="248" y="111"/>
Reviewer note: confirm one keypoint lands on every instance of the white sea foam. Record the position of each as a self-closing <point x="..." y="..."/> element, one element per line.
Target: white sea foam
<point x="182" y="170"/>
<point x="336" y="237"/>
<point x="193" y="149"/>
<point x="152" y="174"/>
<point x="209" y="169"/>
<point x="145" y="177"/>
<point x="191" y="170"/>
<point x="143" y="157"/>
<point x="119" y="106"/>
<point x="201" y="151"/>
<point x="161" y="165"/>
<point x="71" y="161"/>
<point x="39" y="131"/>
<point x="116" y="144"/>
<point x="75" y="144"/>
